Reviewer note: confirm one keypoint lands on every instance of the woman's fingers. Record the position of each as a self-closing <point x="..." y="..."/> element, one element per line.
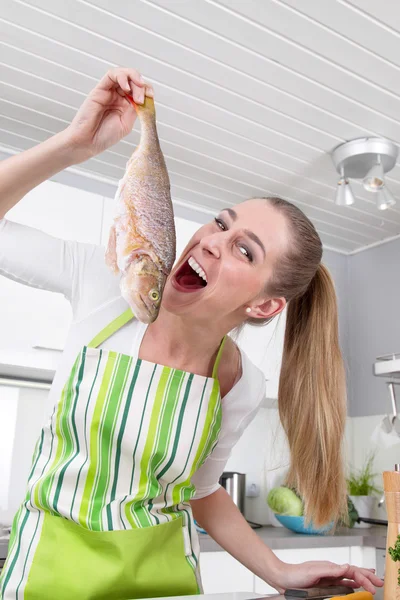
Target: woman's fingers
<point x="123" y="82"/>
<point x="126" y="81"/>
<point x="121" y="77"/>
<point x="149" y="90"/>
<point x="364" y="577"/>
<point x="137" y="93"/>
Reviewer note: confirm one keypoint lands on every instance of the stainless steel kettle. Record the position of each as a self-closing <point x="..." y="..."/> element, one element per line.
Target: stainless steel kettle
<point x="235" y="485"/>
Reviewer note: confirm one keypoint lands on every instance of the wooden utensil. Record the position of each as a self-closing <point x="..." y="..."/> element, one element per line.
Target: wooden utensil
<point x="391" y="484"/>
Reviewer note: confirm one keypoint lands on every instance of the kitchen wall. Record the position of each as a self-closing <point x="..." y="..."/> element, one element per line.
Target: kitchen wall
<point x="374" y="329"/>
<point x="374" y="325"/>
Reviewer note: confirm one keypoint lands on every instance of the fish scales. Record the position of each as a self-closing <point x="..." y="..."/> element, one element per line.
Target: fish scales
<point x="152" y="214"/>
<point x="142" y="239"/>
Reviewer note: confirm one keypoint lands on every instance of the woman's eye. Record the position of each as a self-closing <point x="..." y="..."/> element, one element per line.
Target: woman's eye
<point x="220" y="224"/>
<point x="246" y="252"/>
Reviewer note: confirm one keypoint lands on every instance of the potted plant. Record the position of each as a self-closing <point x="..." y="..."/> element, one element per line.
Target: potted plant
<point x="361" y="488"/>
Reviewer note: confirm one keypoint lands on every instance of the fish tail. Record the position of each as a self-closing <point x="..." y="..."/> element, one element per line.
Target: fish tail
<point x="131" y="100"/>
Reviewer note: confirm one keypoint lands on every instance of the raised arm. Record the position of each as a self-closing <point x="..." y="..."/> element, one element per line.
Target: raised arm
<point x="105" y="117"/>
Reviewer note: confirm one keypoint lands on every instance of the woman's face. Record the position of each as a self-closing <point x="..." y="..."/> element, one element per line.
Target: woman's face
<point x="227" y="264"/>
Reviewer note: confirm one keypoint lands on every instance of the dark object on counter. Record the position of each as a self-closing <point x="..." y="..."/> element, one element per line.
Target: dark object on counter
<point x="235" y="484"/>
<point x="372" y="521"/>
<point x="254" y="525"/>
<point x="322" y="593"/>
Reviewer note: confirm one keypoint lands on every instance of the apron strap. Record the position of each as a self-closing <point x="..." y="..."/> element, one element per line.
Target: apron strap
<point x="218" y="359"/>
<point x="111" y="328"/>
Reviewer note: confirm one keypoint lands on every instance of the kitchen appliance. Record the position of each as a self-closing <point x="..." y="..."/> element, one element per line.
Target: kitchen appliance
<point x="235" y="485"/>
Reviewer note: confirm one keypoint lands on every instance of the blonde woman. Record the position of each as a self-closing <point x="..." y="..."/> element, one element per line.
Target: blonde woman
<point x="145" y="418"/>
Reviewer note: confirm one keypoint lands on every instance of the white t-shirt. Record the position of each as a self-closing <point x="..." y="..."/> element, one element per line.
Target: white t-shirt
<point x="78" y="271"/>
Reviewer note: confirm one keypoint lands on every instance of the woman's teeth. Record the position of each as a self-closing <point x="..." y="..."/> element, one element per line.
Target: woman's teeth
<point x="197" y="268"/>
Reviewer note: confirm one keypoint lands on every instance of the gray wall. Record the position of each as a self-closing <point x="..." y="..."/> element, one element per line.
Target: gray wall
<point x="374" y="323"/>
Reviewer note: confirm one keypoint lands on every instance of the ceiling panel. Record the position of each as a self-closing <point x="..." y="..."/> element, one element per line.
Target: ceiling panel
<point x="251" y="96"/>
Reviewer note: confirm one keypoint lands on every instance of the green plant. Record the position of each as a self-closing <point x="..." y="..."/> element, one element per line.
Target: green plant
<point x="395" y="555"/>
<point x="352" y="515"/>
<point x="361" y="482"/>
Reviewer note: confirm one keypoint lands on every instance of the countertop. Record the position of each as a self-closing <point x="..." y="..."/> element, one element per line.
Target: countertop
<point x="231" y="596"/>
<point x="279" y="538"/>
<point x="239" y="596"/>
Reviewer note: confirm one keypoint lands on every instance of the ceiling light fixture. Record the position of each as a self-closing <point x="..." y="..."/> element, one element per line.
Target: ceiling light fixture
<point x="375" y="179"/>
<point x="385" y="199"/>
<point x="367" y="159"/>
<point x="344" y="193"/>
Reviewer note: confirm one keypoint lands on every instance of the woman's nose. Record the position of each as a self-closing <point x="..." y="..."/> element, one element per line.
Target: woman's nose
<point x="211" y="244"/>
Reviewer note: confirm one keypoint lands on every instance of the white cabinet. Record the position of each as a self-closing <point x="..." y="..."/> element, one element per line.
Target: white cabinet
<point x="220" y="572"/>
<point x="29" y="316"/>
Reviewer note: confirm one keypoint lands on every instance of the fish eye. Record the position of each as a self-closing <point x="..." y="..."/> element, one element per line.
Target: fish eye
<point x="154" y="295"/>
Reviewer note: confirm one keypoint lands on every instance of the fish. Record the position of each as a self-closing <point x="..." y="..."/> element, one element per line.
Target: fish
<point x="142" y="240"/>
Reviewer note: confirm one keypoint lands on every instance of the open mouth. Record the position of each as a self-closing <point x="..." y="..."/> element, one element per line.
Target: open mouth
<point x="191" y="276"/>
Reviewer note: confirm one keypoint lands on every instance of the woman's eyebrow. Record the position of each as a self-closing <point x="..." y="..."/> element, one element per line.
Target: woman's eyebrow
<point x="255" y="239"/>
<point x="250" y="234"/>
<point x="231" y="213"/>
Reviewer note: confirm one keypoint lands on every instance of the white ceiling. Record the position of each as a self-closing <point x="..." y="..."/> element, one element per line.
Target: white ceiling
<point x="252" y="95"/>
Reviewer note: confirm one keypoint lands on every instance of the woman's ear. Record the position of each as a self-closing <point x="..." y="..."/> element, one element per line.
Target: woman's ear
<point x="267" y="309"/>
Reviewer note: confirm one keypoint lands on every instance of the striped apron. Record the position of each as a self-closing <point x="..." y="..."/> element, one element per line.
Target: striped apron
<point x="107" y="511"/>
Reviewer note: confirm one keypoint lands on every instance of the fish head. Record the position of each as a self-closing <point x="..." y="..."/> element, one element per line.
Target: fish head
<point x="142" y="286"/>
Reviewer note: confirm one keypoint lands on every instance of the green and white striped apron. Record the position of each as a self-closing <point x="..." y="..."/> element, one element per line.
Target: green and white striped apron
<point x="107" y="511"/>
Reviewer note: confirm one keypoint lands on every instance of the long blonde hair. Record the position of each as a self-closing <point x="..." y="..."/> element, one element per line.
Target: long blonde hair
<point x="312" y="387"/>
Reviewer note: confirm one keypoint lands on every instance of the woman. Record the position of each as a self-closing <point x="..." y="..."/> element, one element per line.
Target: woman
<point x="132" y="447"/>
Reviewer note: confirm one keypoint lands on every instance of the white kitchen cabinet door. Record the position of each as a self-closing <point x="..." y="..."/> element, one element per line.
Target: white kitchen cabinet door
<point x="340" y="556"/>
<point x="363" y="556"/>
<point x="220" y="572"/>
<point x="29" y="316"/>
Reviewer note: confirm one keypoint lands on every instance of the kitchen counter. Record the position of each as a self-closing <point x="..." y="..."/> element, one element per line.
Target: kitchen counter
<point x="280" y="538"/>
<point x="232" y="596"/>
<point x="239" y="596"/>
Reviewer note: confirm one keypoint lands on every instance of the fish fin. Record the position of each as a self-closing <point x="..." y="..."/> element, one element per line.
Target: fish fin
<point x="111" y="251"/>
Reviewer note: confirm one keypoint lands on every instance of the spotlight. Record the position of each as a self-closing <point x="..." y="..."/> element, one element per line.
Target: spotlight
<point x="344" y="194"/>
<point x="374" y="181"/>
<point x="385" y="199"/>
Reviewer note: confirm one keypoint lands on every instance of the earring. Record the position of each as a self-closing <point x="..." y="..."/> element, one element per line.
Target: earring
<point x="248" y="309"/>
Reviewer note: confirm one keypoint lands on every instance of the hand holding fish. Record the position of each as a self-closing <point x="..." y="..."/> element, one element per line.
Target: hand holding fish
<point x="106" y="116"/>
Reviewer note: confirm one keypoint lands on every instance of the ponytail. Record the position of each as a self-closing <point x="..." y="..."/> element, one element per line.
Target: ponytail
<point x="312" y="400"/>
